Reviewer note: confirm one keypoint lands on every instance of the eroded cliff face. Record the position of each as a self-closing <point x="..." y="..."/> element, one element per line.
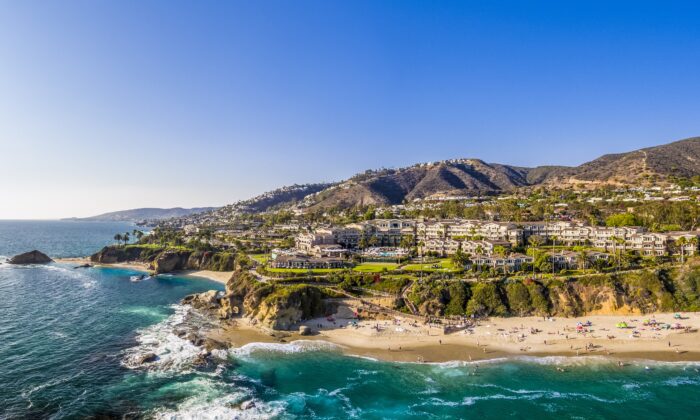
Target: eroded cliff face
<point x="277" y="307"/>
<point x="163" y="260"/>
<point x="640" y="292"/>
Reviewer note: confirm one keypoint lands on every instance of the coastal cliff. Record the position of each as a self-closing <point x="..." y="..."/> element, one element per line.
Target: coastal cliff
<point x="644" y="291"/>
<point x="276" y="307"/>
<point x="164" y="259"/>
<point x="282" y="307"/>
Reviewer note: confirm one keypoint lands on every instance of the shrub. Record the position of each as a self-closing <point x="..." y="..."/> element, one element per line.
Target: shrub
<point x="486" y="300"/>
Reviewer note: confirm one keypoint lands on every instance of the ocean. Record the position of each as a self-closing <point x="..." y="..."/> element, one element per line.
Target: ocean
<point x="69" y="339"/>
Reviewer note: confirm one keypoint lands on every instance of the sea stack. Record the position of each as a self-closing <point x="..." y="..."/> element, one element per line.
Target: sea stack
<point x="31" y="257"/>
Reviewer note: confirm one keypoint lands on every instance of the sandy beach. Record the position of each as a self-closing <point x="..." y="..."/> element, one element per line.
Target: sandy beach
<point x="218" y="276"/>
<point x="402" y="339"/>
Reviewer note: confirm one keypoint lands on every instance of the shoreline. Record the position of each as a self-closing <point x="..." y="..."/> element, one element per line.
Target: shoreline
<point x="217" y="276"/>
<point x="397" y="340"/>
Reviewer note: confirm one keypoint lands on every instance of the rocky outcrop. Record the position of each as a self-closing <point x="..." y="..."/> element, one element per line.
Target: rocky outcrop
<point x="277" y="307"/>
<point x="164" y="260"/>
<point x="31" y="257"/>
<point x="170" y="261"/>
<point x="206" y="300"/>
<point x="288" y="305"/>
<point x="117" y="254"/>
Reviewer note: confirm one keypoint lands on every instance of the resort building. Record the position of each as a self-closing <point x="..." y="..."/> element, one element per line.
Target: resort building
<point x="512" y="262"/>
<point x="445" y="237"/>
<point x="305" y="262"/>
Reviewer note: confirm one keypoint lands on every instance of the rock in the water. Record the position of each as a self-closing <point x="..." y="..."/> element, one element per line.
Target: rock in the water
<point x="304" y="330"/>
<point x="206" y="300"/>
<point x="31" y="257"/>
<point x="212" y="344"/>
<point x="247" y="404"/>
<point x="147" y="358"/>
<point x="83" y="266"/>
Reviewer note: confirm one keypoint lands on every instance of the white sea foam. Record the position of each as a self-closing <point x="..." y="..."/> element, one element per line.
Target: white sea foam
<point x="509" y="393"/>
<point x="297" y="346"/>
<point x="682" y="381"/>
<point x="226" y="407"/>
<point x="172" y="352"/>
<point x="513" y="395"/>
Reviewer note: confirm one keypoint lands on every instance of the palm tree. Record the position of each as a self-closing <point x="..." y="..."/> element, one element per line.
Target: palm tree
<point x="126" y="238"/>
<point x="406" y="241"/>
<point x="499" y="250"/>
<point x="681" y="243"/>
<point x="479" y="251"/>
<point x="616" y="240"/>
<point x="694" y="242"/>
<point x="118" y="237"/>
<point x="535" y="241"/>
<point x="583" y="258"/>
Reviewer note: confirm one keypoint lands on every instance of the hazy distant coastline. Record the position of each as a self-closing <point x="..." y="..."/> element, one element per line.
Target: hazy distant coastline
<point x="141" y="214"/>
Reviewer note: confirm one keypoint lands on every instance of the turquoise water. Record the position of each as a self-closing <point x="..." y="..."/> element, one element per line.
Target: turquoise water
<point x="70" y="341"/>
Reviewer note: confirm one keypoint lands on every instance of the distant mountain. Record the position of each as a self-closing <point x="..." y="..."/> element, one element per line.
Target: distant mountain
<point x="280" y="197"/>
<point x="137" y="215"/>
<point x="678" y="159"/>
<point x="460" y="177"/>
<point x="471" y="177"/>
<point x="271" y="200"/>
<point x="393" y="186"/>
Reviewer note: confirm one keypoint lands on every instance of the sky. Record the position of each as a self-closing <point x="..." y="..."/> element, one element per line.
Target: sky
<point x="110" y="105"/>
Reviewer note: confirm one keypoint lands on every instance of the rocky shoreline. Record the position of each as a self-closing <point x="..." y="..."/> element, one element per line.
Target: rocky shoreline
<point x="161" y="260"/>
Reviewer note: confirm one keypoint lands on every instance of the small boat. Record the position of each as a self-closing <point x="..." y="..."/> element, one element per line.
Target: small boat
<point x="136" y="279"/>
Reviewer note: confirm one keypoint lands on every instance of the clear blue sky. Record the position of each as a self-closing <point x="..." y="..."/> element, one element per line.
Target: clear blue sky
<point x="113" y="105"/>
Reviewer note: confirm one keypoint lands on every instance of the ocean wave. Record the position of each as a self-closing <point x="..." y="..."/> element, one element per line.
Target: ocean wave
<point x="160" y="348"/>
<point x="564" y="361"/>
<point x="515" y="395"/>
<point x="27" y="393"/>
<point x="212" y="398"/>
<point x="297" y="346"/>
<point x="682" y="381"/>
<point x="232" y="406"/>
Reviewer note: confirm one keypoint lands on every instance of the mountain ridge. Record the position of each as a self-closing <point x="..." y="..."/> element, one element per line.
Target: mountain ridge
<point x="460" y="177"/>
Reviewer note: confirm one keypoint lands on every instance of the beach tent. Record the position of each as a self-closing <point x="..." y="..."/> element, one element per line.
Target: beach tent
<point x="621" y="325"/>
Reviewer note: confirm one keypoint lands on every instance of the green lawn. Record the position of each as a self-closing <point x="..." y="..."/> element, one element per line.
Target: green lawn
<point x="444" y="264"/>
<point x="259" y="258"/>
<point x="378" y="267"/>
